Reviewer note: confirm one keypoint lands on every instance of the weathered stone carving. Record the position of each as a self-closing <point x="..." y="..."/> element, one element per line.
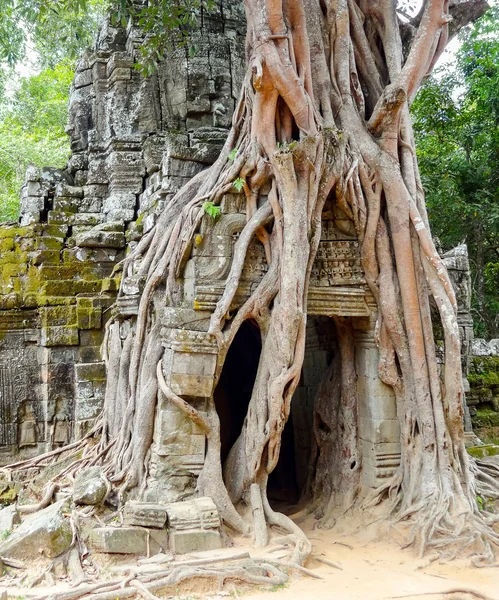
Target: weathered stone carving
<point x="134" y="142"/>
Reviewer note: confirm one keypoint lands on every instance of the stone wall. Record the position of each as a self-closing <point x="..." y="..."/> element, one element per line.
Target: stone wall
<point x="483" y="398"/>
<point x="134" y="142"/>
<point x="458" y="267"/>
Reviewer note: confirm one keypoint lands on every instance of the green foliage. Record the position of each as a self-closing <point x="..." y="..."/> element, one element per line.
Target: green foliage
<point x="212" y="209"/>
<point x="165" y="23"/>
<point x="62" y="29"/>
<point x="232" y="154"/>
<point x="32" y="126"/>
<point x="456" y="121"/>
<point x="55" y="29"/>
<point x="239" y="183"/>
<point x="286" y="147"/>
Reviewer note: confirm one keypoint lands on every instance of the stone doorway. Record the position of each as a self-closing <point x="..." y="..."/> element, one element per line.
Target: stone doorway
<point x="233" y="392"/>
<point x="288" y="481"/>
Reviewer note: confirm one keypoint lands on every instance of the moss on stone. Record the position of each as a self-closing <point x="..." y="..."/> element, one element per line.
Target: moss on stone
<point x="48" y="243"/>
<point x="89" y="318"/>
<point x="7" y="245"/>
<point x="484" y="364"/>
<point x="54" y="316"/>
<point x="44" y="300"/>
<point x="14" y="232"/>
<point x="484" y="380"/>
<point x="111" y="284"/>
<point x="483" y="451"/>
<point x="15" y="257"/>
<point x="486" y="417"/>
<point x="8" y="492"/>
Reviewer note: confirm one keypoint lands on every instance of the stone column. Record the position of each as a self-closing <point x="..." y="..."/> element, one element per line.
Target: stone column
<point x="379" y="429"/>
<point x="178" y="450"/>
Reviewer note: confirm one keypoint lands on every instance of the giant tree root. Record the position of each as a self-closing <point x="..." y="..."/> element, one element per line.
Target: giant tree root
<point x="254" y="573"/>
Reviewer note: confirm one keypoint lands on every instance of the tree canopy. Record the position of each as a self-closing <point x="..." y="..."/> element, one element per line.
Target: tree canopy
<point x="32" y="123"/>
<point x="456" y="121"/>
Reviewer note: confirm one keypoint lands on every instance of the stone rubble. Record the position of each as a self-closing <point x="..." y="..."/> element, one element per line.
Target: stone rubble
<point x="44" y="534"/>
<point x="90" y="486"/>
<point x="149" y="528"/>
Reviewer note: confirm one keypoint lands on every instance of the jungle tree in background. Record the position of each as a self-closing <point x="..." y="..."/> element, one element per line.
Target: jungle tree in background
<point x="45" y="37"/>
<point x="32" y="123"/>
<point x="457" y="130"/>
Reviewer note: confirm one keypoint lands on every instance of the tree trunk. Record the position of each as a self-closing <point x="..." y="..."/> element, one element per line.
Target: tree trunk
<point x="323" y="114"/>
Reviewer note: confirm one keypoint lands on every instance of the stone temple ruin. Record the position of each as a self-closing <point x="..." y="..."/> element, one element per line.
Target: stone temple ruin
<point x="135" y="141"/>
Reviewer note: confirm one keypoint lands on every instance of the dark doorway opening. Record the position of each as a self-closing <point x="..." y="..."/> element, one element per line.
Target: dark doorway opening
<point x="288" y="481"/>
<point x="233" y="392"/>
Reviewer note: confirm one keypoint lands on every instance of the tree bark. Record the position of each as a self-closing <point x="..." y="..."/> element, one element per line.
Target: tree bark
<point x="323" y="114"/>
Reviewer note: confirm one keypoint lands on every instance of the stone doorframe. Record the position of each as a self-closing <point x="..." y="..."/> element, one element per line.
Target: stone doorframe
<point x="189" y="365"/>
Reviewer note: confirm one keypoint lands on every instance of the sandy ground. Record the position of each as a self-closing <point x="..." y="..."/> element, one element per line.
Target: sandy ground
<point x="372" y="566"/>
<point x="375" y="567"/>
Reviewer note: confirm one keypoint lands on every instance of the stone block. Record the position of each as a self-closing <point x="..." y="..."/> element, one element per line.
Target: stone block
<point x="96" y="238"/>
<point x="145" y="514"/>
<point x="190" y="385"/>
<point x="78" y="162"/>
<point x="92" y="255"/>
<point x="128" y="540"/>
<point x="8" y="518"/>
<point x="88" y="219"/>
<point x="83" y="78"/>
<point x="89" y="318"/>
<point x="379" y="431"/>
<point x="32" y="173"/>
<point x="87" y="407"/>
<point x="119" y="201"/>
<point x="90" y="371"/>
<point x="121" y="214"/>
<point x="193" y="364"/>
<point x="376" y="400"/>
<point x="90" y="486"/>
<point x="46" y="533"/>
<point x="199" y="513"/>
<point x="89" y="354"/>
<point x="179" y="317"/>
<point x="69" y="191"/>
<point x="95" y="190"/>
<point x="194" y="540"/>
<point x="175" y="167"/>
<point x="480" y="347"/>
<point x="68" y="205"/>
<point x="27" y="218"/>
<point x="133" y="285"/>
<point x="32" y="188"/>
<point x="379" y="461"/>
<point x="31" y="204"/>
<point x="57" y="217"/>
<point x="41" y="257"/>
<point x="83" y="391"/>
<point x="54" y="316"/>
<point x="59" y="336"/>
<point x="494" y="347"/>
